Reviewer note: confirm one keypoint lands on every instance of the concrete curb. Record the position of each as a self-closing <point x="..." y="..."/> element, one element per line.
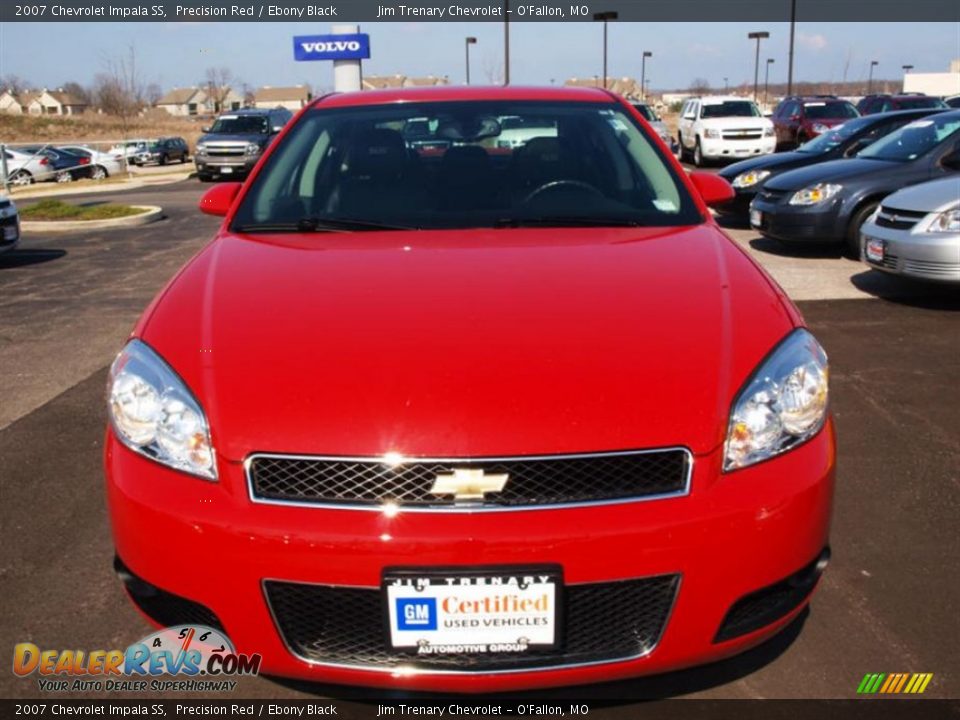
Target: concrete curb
<point x="140" y="182"/>
<point x="150" y="214"/>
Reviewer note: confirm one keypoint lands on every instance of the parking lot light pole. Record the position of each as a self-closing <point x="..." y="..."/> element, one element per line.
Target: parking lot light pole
<point x="726" y="86"/>
<point x="873" y="64"/>
<point x="758" y="36"/>
<point x="470" y="41"/>
<point x="506" y="42"/>
<point x="605" y="17"/>
<point x="643" y="73"/>
<point x="906" y="71"/>
<point x="766" y="82"/>
<point x="793" y="27"/>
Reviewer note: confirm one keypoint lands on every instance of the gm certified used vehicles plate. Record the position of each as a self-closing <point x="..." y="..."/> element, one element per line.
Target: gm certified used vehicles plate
<point x="434" y="411"/>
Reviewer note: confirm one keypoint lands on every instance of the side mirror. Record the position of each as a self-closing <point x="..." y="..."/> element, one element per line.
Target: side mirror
<point x="712" y="188"/>
<point x="689" y="116"/>
<point x="218" y="199"/>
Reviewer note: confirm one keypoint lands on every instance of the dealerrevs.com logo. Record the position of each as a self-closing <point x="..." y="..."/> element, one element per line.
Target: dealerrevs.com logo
<point x="200" y="658"/>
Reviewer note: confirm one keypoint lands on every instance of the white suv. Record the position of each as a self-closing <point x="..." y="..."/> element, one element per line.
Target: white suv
<point x="713" y="128"/>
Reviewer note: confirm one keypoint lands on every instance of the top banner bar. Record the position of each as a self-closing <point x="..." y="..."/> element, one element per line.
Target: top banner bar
<point x="479" y="11"/>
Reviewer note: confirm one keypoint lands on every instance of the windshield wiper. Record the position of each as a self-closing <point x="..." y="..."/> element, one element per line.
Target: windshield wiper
<point x="566" y="221"/>
<point x="315" y="224"/>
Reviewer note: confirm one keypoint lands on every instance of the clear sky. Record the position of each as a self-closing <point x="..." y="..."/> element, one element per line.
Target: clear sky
<point x="177" y="54"/>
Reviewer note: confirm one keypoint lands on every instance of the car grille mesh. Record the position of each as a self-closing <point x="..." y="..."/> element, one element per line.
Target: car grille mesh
<point x="537" y="481"/>
<point x="898" y="219"/>
<point x="346" y="626"/>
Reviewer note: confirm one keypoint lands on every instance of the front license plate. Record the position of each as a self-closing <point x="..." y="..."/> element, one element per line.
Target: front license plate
<point x="874" y="250"/>
<point x="10" y="233"/>
<point x="472" y="611"/>
<point x="226" y="170"/>
<point x="756" y="218"/>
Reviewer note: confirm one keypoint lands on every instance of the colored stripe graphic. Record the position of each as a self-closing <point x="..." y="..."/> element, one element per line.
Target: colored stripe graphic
<point x="894" y="683"/>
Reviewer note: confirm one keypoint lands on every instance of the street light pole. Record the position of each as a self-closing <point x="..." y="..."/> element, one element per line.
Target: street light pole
<point x="470" y="41"/>
<point x="793" y="27"/>
<point x="605" y="16"/>
<point x="906" y="71"/>
<point x="873" y="64"/>
<point x="506" y="42"/>
<point x="643" y="73"/>
<point x="758" y="36"/>
<point x="766" y="83"/>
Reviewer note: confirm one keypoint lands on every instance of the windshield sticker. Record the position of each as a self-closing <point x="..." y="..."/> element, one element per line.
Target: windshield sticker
<point x="665" y="205"/>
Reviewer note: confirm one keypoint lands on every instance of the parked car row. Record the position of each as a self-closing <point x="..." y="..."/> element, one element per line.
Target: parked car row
<point x="27" y="164"/>
<point x="838" y="187"/>
<point x="161" y="151"/>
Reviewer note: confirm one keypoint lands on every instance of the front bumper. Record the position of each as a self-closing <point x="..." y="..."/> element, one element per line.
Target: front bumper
<point x="9" y="232"/>
<point x="227" y="165"/>
<point x="797" y="223"/>
<point x="730" y="537"/>
<point x="922" y="255"/>
<point x="727" y="149"/>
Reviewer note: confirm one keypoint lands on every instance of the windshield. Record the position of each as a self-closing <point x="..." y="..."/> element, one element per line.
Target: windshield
<point x="913" y="140"/>
<point x="830" y="110"/>
<point x="646" y="112"/>
<point x="920" y="103"/>
<point x="835" y="136"/>
<point x="589" y="164"/>
<point x="240" y="125"/>
<point x="730" y="108"/>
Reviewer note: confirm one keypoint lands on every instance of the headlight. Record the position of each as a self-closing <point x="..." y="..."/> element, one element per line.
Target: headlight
<point x="750" y="178"/>
<point x="201" y="148"/>
<point x="947" y="221"/>
<point x="820" y="128"/>
<point x="782" y="406"/>
<point x="815" y="194"/>
<point x="154" y="413"/>
<point x="711" y="133"/>
<point x="769" y="132"/>
<point x="253" y="149"/>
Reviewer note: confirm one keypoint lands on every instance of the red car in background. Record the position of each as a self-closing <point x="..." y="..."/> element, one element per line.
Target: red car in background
<point x="799" y="119"/>
<point x="482" y="419"/>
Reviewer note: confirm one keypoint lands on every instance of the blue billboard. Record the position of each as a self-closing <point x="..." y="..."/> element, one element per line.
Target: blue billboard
<point x="331" y="47"/>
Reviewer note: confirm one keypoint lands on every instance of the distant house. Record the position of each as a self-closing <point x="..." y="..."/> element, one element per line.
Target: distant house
<point x="626" y="86"/>
<point x="223" y="100"/>
<point x="291" y="98"/>
<point x="184" y="102"/>
<point x="10" y="104"/>
<point x="40" y="102"/>
<point x="390" y="82"/>
<point x="69" y="104"/>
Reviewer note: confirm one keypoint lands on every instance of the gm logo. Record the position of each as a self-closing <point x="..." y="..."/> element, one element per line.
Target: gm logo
<point x="416" y="613"/>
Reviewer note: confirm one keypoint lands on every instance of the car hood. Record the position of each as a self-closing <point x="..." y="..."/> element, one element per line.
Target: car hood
<point x="233" y="138"/>
<point x="737" y="122"/>
<point x="934" y="196"/>
<point x="468" y="343"/>
<point x="778" y="161"/>
<point x="829" y="172"/>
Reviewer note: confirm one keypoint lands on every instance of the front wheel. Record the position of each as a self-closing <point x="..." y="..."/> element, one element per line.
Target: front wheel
<point x="697" y="154"/>
<point x="99" y="173"/>
<point x="21" y="178"/>
<point x="856" y="224"/>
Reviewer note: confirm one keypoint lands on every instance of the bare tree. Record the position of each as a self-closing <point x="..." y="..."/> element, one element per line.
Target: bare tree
<point x="217" y="86"/>
<point x="78" y="91"/>
<point x="14" y="83"/>
<point x="119" y="90"/>
<point x="249" y="95"/>
<point x="492" y="67"/>
<point x="152" y="94"/>
<point x="700" y="86"/>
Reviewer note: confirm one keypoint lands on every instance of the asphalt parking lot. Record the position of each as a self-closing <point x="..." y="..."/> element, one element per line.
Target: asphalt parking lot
<point x="887" y="603"/>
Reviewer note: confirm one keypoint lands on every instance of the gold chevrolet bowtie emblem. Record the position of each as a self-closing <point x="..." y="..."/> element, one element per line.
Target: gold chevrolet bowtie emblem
<point x="468" y="484"/>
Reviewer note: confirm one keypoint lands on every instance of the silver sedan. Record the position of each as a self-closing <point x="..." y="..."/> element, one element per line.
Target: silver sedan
<point x="916" y="232"/>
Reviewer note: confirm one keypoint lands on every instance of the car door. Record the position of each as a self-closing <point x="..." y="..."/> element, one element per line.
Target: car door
<point x="687" y="119"/>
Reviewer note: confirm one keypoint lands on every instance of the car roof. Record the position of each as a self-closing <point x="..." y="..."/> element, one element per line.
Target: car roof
<point x="453" y="93"/>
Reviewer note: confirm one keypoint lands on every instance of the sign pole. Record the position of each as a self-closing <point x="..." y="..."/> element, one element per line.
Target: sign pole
<point x="347" y="74"/>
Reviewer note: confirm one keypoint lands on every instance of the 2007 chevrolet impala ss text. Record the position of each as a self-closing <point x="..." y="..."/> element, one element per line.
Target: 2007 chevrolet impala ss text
<point x="470" y="393"/>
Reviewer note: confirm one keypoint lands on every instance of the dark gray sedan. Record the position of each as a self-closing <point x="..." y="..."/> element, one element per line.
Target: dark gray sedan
<point x="916" y="232"/>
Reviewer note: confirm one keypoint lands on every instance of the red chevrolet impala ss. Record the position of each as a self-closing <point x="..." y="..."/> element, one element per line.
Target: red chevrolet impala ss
<point x="470" y="393"/>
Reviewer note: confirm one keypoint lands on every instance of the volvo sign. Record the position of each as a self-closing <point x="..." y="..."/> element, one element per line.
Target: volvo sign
<point x="355" y="46"/>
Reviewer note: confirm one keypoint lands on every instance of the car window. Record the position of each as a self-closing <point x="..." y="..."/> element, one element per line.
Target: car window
<point x="820" y="110"/>
<point x="645" y="112"/>
<point x="589" y="161"/>
<point x="730" y="108"/>
<point x="914" y="139"/>
<point x="921" y="103"/>
<point x="241" y="124"/>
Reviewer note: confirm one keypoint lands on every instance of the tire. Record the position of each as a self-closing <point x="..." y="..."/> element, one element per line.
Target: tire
<point x="698" y="154"/>
<point x="21" y="178"/>
<point x="99" y="172"/>
<point x="853" y="229"/>
<point x="63" y="176"/>
<point x="204" y="177"/>
<point x="162" y="160"/>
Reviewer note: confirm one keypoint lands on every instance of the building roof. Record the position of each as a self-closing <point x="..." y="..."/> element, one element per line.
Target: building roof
<point x="65" y="98"/>
<point x="381" y="82"/>
<point x="178" y="96"/>
<point x="428" y="81"/>
<point x="282" y="94"/>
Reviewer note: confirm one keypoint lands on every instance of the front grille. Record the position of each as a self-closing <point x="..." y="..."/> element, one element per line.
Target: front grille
<point x="742" y="134"/>
<point x="898" y="219"/>
<point x="550" y="480"/>
<point x="772" y="196"/>
<point x="164" y="607"/>
<point x="946" y="270"/>
<point x="236" y="151"/>
<point x="345" y="626"/>
<point x="769" y="604"/>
